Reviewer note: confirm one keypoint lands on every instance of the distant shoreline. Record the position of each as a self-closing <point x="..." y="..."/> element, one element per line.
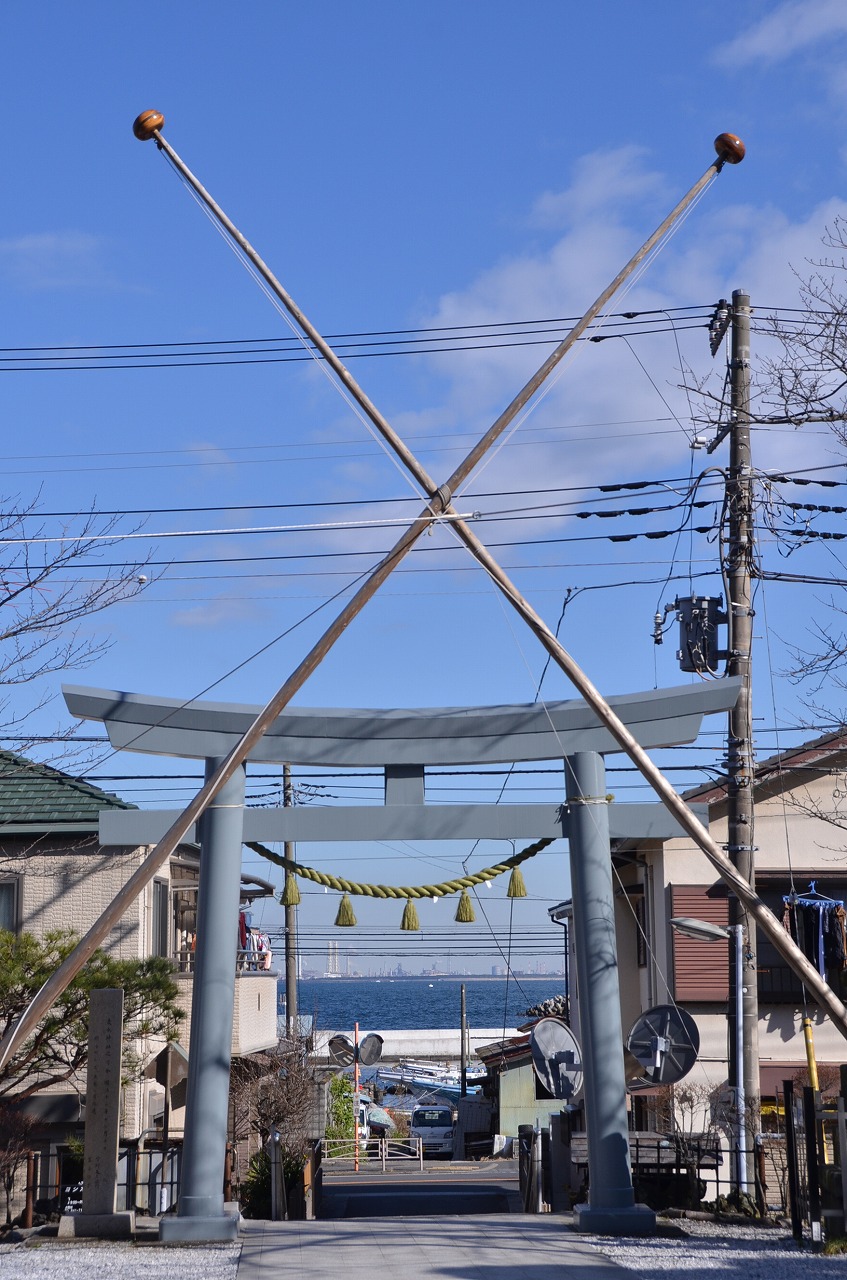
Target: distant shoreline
<point x="436" y="977"/>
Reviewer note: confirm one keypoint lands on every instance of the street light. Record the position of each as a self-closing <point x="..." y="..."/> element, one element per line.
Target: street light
<point x="704" y="931"/>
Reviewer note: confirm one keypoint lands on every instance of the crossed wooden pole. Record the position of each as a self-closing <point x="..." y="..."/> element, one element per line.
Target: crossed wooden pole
<point x="729" y="150"/>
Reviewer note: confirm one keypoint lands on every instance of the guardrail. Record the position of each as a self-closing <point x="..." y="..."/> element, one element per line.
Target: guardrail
<point x="340" y="1155"/>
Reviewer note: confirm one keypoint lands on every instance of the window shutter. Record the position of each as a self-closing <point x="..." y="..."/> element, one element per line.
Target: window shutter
<point x="700" y="969"/>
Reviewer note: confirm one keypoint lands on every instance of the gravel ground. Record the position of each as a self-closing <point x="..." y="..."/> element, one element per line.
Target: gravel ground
<point x="721" y="1251"/>
<point x="108" y="1261"/>
<point x="725" y="1252"/>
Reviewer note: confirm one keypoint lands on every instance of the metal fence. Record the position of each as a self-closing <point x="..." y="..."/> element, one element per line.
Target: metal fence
<point x="668" y="1171"/>
<point x="344" y="1155"/>
<point x="146" y="1181"/>
<point x="816" y="1155"/>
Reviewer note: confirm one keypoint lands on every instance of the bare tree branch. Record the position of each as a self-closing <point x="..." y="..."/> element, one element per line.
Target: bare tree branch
<point x="51" y="585"/>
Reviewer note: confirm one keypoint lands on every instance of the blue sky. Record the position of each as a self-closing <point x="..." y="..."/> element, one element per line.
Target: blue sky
<point x="400" y="167"/>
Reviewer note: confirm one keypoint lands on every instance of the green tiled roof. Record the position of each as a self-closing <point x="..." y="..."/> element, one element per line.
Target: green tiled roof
<point x="34" y="795"/>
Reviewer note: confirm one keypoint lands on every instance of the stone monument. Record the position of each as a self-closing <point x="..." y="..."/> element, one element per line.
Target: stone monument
<point x="99" y="1217"/>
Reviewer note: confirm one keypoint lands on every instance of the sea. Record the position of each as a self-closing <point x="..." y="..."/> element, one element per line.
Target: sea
<point x="421" y="1004"/>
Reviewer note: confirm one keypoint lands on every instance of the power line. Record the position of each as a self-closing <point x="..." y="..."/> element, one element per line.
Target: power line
<point x="372" y="553"/>
<point x="479" y="326"/>
<point x="549" y="511"/>
<point x="374" y="344"/>
<point x="660" y="485"/>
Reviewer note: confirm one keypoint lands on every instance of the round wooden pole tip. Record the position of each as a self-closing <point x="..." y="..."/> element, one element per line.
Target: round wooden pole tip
<point x="143" y="126"/>
<point x="729" y="148"/>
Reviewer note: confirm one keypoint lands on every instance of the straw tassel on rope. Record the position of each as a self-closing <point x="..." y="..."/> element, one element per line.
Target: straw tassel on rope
<point x="465" y="913"/>
<point x="291" y="893"/>
<point x="345" y="918"/>
<point x="410" y="922"/>
<point x="342" y="885"/>
<point x="517" y="884"/>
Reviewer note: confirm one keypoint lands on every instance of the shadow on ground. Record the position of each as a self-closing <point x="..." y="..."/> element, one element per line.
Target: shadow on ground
<point x="451" y="1194"/>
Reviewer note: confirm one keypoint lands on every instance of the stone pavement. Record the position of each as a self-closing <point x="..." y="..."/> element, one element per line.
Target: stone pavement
<point x="471" y="1247"/>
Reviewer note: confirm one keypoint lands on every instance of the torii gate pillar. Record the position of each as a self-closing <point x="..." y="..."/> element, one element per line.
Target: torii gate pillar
<point x="611" y="1207"/>
<point x="201" y="1214"/>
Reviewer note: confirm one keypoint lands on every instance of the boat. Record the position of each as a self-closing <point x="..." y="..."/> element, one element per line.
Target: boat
<point x="428" y="1079"/>
<point x="379" y="1119"/>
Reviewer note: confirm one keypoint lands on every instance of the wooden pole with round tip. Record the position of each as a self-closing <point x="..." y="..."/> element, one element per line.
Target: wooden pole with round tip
<point x="730" y="148"/>
<point x="440" y="496"/>
<point x="148" y="126"/>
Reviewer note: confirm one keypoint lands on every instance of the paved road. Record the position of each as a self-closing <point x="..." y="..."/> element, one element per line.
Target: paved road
<point x="450" y="1189"/>
<point x="513" y="1247"/>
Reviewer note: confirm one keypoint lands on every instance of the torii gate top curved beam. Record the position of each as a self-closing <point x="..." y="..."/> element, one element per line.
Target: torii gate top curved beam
<point x="416" y="736"/>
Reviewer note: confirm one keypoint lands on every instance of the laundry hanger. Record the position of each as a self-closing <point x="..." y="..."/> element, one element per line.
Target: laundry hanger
<point x="813" y="898"/>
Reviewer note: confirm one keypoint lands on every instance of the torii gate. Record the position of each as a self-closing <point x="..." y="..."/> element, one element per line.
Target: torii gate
<point x="223" y="779"/>
<point x="404" y="743"/>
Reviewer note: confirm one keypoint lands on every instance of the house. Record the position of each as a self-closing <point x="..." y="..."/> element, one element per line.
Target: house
<point x="55" y="874"/>
<point x="800" y="805"/>
<point x="518" y="1096"/>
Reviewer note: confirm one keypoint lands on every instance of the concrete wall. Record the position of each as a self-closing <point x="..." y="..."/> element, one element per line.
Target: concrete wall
<point x="254" y="1026"/>
<point x="434" y="1046"/>
<point x="255" y="1021"/>
<point x="66" y="883"/>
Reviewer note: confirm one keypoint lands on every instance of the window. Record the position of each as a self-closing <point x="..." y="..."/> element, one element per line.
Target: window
<point x="159" y="932"/>
<point x="9" y="899"/>
<point x="432" y="1117"/>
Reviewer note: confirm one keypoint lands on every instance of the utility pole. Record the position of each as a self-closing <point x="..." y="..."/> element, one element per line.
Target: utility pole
<point x="463" y="1021"/>
<point x="744" y="1075"/>
<point x="290" y="928"/>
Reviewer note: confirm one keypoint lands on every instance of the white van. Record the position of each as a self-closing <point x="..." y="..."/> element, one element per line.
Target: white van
<point x="433" y="1124"/>
<point x="363" y="1129"/>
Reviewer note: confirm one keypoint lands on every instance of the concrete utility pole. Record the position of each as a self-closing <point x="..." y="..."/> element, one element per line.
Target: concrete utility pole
<point x="740" y="815"/>
<point x="463" y="1022"/>
<point x="290" y="927"/>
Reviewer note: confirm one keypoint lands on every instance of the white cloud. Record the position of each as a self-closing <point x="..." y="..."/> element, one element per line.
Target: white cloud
<point x="210" y="615"/>
<point x="603" y="418"/>
<point x="604" y="181"/>
<point x="793" y="26"/>
<point x="56" y="260"/>
<point x="210" y="455"/>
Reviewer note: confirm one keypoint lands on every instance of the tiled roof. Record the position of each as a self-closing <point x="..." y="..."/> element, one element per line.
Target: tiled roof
<point x="786" y="767"/>
<point x="34" y="794"/>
